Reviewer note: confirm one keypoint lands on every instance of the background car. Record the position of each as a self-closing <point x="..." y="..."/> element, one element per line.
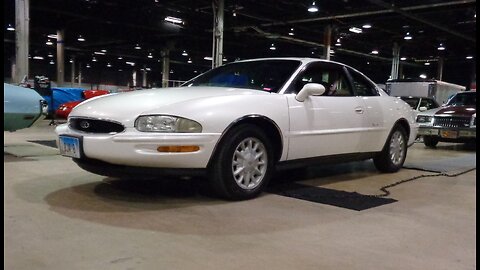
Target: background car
<point x="64" y="109"/>
<point x="456" y="121"/>
<point x="420" y="104"/>
<point x="239" y="122"/>
<point x="22" y="107"/>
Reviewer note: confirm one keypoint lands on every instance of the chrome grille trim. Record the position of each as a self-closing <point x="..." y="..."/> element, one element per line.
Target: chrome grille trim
<point x="91" y="125"/>
<point x="451" y="122"/>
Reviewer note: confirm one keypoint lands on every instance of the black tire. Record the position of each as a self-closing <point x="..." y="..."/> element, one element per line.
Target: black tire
<point x="223" y="179"/>
<point x="394" y="152"/>
<point x="430" y="141"/>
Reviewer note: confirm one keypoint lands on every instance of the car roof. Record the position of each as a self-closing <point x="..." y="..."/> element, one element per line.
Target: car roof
<point x="304" y="60"/>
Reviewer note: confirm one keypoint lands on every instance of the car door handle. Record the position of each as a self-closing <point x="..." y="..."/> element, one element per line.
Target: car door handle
<point x="359" y="110"/>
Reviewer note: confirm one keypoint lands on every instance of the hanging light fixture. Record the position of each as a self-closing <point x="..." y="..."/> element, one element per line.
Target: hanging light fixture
<point x="120" y="58"/>
<point x="403" y="58"/>
<point x="94" y="59"/>
<point x="184" y="53"/>
<point x="313" y="7"/>
<point x="49" y="42"/>
<point x="150" y="55"/>
<point x="137" y="47"/>
<point x="441" y="47"/>
<point x="407" y="36"/>
<point x="367" y="26"/>
<point x="272" y="47"/>
<point x="10" y="28"/>
<point x="291" y="32"/>
<point x="109" y="65"/>
<point x="80" y="38"/>
<point x="338" y="43"/>
<point x="374" y="52"/>
<point x="189" y="60"/>
<point x="52" y="62"/>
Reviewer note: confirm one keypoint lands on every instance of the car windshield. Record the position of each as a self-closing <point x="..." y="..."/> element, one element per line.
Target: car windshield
<point x="266" y="75"/>
<point x="413" y="102"/>
<point x="463" y="99"/>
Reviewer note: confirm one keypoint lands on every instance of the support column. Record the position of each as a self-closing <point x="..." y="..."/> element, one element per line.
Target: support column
<point x="165" y="67"/>
<point x="72" y="80"/>
<point x="80" y="74"/>
<point x="144" y="81"/>
<point x="13" y="69"/>
<point x="60" y="57"/>
<point x="218" y="19"/>
<point x="134" y="78"/>
<point x="22" y="39"/>
<point x="395" y="61"/>
<point x="327" y="40"/>
<point x="440" y="68"/>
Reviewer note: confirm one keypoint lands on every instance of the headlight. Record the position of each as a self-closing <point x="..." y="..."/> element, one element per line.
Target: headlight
<point x="166" y="123"/>
<point x="424" y="119"/>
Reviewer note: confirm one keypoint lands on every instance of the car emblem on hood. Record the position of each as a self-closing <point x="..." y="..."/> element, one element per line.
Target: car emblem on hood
<point x="84" y="124"/>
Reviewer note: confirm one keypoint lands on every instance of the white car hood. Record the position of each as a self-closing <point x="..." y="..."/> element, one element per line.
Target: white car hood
<point x="126" y="107"/>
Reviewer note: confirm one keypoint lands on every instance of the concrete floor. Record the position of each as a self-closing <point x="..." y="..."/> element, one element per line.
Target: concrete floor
<point x="57" y="216"/>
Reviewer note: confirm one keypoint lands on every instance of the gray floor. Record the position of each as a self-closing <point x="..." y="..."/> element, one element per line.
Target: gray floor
<point x="58" y="216"/>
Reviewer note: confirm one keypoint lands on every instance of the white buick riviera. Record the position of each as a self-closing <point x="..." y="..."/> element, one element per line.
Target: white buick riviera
<point x="239" y="122"/>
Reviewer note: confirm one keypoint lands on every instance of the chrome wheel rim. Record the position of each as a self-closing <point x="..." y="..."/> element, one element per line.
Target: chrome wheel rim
<point x="397" y="148"/>
<point x="249" y="163"/>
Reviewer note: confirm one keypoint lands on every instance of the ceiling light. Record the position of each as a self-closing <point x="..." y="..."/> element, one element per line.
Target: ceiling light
<point x="423" y="76"/>
<point x="150" y="55"/>
<point x="427" y="64"/>
<point x="195" y="71"/>
<point x="137" y="47"/>
<point x="49" y="42"/>
<point x="148" y="69"/>
<point x="469" y="57"/>
<point x="291" y="32"/>
<point x="374" y="52"/>
<point x="355" y="30"/>
<point x="234" y="14"/>
<point x="51" y="62"/>
<point x="103" y="50"/>
<point x="403" y="58"/>
<point x="94" y="59"/>
<point x="99" y="53"/>
<point x="189" y="60"/>
<point x="367" y="25"/>
<point x="173" y="20"/>
<point x="38" y="57"/>
<point x="10" y="28"/>
<point x="120" y="58"/>
<point x="50" y="55"/>
<point x="338" y="42"/>
<point x="54" y="36"/>
<point x="313" y="7"/>
<point x="130" y="63"/>
<point x="184" y="53"/>
<point x="332" y="51"/>
<point x="224" y="60"/>
<point x="71" y="61"/>
<point x="208" y="58"/>
<point x="171" y="70"/>
<point x="120" y="70"/>
<point x="88" y="65"/>
<point x="273" y="47"/>
<point x="407" y="36"/>
<point x="441" y="47"/>
<point x="108" y="65"/>
<point x="80" y="38"/>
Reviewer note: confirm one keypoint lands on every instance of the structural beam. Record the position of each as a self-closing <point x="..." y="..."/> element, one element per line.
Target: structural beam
<point x="22" y="42"/>
<point x="395" y="61"/>
<point x="218" y="19"/>
<point x="60" y="57"/>
<point x="327" y="40"/>
<point x="440" y="68"/>
<point x="165" y="67"/>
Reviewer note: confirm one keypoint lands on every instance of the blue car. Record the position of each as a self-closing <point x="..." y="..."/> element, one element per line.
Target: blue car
<point x="22" y="107"/>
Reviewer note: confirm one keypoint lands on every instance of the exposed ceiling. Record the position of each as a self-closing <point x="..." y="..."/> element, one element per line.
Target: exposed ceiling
<point x="118" y="25"/>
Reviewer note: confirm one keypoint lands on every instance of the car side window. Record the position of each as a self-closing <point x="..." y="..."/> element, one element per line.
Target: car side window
<point x="331" y="77"/>
<point x="362" y="86"/>
<point x="430" y="104"/>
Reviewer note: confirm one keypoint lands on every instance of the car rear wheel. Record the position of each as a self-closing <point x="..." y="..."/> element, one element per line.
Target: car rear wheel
<point x="430" y="141"/>
<point x="243" y="164"/>
<point x="394" y="152"/>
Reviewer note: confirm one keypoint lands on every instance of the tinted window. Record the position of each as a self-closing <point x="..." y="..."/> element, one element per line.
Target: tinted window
<point x="330" y="76"/>
<point x="362" y="86"/>
<point x="413" y="102"/>
<point x="267" y="75"/>
<point x="463" y="99"/>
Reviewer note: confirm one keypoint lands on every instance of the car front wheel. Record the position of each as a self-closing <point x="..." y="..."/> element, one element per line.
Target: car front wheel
<point x="243" y="164"/>
<point x="394" y="152"/>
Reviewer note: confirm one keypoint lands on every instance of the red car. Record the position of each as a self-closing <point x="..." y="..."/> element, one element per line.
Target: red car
<point x="64" y="110"/>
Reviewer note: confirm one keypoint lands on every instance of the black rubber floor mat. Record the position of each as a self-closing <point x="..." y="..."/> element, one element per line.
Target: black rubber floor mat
<point x="51" y="143"/>
<point x="344" y="199"/>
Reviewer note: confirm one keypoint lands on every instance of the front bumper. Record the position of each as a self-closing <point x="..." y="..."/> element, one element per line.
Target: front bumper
<point x="139" y="149"/>
<point x="448" y="133"/>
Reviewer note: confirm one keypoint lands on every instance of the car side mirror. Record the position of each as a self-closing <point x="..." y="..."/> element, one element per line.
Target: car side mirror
<point x="310" y="89"/>
<point x="422" y="108"/>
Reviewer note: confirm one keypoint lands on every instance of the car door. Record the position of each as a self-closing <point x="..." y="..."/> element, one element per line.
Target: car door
<point x="329" y="124"/>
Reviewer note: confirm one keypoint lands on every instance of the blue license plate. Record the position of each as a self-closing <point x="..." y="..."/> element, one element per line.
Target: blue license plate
<point x="69" y="146"/>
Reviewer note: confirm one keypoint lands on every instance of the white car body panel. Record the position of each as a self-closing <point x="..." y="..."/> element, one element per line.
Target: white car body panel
<point x="319" y="126"/>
